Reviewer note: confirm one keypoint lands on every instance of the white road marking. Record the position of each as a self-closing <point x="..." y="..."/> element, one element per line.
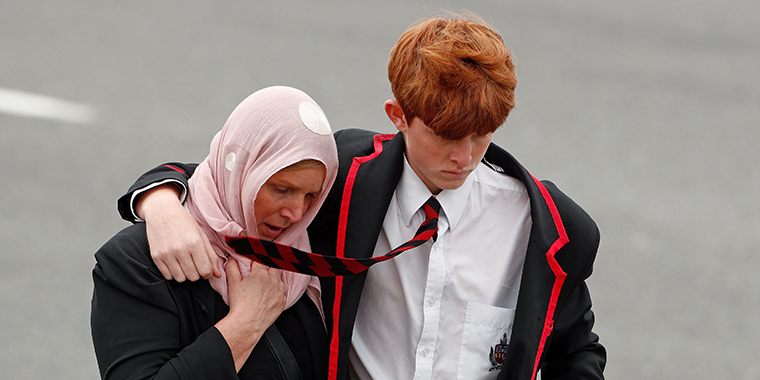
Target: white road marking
<point x="27" y="104"/>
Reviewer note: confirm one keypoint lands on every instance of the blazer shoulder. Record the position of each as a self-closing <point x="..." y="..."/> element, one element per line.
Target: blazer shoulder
<point x="355" y="142"/>
<point x="353" y="133"/>
<point x="572" y="213"/>
<point x="582" y="232"/>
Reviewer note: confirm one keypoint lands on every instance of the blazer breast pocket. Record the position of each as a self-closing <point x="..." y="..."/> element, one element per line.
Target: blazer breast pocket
<point x="485" y="339"/>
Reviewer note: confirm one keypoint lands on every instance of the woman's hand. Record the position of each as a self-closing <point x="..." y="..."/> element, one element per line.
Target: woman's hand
<point x="179" y="246"/>
<point x="255" y="303"/>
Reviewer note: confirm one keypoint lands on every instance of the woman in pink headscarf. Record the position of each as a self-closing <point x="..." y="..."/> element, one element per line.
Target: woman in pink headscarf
<point x="267" y="173"/>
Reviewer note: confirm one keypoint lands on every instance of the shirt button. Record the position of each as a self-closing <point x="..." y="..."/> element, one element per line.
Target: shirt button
<point x="431" y="301"/>
<point x="425" y="352"/>
<point x="435" y="246"/>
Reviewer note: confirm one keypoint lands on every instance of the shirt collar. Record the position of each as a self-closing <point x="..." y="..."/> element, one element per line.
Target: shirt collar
<point x="411" y="194"/>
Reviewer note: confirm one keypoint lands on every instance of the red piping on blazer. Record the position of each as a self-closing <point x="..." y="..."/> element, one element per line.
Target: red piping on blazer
<point x="174" y="168"/>
<point x="556" y="269"/>
<point x="341" y="246"/>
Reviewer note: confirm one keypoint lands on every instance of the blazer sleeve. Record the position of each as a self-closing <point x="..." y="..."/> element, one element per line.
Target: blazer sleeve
<point x="172" y="172"/>
<point x="574" y="351"/>
<point x="136" y="322"/>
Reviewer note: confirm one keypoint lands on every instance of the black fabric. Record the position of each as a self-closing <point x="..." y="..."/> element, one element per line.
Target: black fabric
<point x="287" y="362"/>
<point x="146" y="327"/>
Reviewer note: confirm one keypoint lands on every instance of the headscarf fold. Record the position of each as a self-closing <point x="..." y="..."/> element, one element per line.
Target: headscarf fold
<point x="271" y="129"/>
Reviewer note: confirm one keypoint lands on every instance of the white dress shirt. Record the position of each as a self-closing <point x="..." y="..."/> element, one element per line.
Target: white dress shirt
<point x="437" y="311"/>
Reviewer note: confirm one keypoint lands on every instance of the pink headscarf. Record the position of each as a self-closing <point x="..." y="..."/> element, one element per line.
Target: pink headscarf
<point x="271" y="129"/>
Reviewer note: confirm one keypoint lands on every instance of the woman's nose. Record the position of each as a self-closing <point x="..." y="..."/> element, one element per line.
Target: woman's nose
<point x="294" y="210"/>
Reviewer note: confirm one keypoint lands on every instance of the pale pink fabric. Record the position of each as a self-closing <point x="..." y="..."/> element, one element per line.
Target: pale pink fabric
<point x="265" y="133"/>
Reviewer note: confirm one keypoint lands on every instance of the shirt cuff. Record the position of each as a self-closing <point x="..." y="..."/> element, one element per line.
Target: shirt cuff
<point x="180" y="185"/>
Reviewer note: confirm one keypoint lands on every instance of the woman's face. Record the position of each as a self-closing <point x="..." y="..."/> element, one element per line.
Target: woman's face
<point x="284" y="199"/>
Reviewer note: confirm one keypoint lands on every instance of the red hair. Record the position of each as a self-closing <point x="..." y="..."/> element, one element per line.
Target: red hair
<point x="455" y="74"/>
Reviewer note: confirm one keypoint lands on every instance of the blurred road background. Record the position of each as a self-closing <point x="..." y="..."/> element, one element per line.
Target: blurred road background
<point x="645" y="112"/>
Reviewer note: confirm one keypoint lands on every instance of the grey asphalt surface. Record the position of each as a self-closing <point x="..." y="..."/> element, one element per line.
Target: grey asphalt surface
<point x="645" y="112"/>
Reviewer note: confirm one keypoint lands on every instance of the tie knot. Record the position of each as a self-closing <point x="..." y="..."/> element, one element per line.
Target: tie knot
<point x="432" y="208"/>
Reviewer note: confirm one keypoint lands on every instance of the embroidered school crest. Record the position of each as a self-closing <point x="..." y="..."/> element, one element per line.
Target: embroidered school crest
<point x="498" y="352"/>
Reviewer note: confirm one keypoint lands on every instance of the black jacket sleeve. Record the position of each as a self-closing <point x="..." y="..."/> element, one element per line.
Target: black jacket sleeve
<point x="175" y="172"/>
<point x="140" y="323"/>
<point x="574" y="351"/>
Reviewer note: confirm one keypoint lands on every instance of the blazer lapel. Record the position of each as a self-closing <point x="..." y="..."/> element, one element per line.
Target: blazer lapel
<point x="374" y="181"/>
<point x="366" y="194"/>
<point x="541" y="281"/>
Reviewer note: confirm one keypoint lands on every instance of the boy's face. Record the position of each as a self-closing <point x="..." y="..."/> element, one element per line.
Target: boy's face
<point x="441" y="163"/>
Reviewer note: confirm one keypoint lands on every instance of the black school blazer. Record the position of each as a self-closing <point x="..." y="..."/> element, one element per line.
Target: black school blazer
<point x="552" y="329"/>
<point x="553" y="318"/>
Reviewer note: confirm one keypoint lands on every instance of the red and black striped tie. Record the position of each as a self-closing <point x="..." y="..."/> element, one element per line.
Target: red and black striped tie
<point x="288" y="258"/>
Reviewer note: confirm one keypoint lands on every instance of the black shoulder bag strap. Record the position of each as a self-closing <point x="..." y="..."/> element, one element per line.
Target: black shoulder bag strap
<point x="281" y="351"/>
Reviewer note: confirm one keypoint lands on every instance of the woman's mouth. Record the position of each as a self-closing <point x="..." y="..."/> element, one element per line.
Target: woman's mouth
<point x="272" y="231"/>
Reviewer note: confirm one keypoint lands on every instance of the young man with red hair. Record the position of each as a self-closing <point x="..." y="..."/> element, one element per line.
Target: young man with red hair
<point x="500" y="294"/>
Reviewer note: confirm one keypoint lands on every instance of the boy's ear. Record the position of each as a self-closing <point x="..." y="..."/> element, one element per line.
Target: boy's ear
<point x="396" y="114"/>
